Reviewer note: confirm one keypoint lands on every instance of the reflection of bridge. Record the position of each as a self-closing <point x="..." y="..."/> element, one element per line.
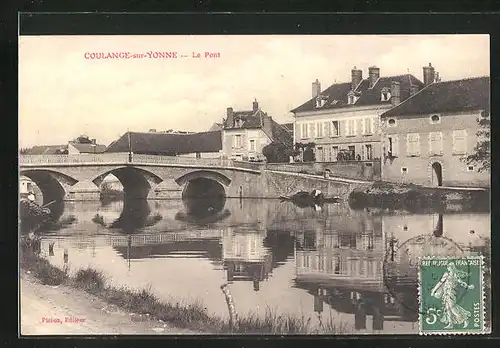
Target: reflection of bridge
<point x="135" y="240"/>
<point x="78" y="177"/>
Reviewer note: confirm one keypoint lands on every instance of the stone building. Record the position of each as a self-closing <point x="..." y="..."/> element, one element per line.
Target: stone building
<point x="345" y="117"/>
<point x="428" y="136"/>
<point x="246" y="133"/>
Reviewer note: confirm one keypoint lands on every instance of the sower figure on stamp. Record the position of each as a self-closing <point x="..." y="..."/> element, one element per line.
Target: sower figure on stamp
<point x="445" y="290"/>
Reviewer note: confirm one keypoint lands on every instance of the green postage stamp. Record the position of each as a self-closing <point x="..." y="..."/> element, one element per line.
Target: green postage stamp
<point x="451" y="295"/>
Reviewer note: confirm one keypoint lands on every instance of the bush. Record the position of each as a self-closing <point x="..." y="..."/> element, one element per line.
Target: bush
<point x="90" y="280"/>
<point x="277" y="153"/>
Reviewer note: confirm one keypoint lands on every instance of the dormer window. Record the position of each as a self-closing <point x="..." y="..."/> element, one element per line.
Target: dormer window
<point x="351" y="98"/>
<point x="435" y="119"/>
<point x="392" y="122"/>
<point x="485" y="114"/>
<point x="385" y="95"/>
<point x="320" y="101"/>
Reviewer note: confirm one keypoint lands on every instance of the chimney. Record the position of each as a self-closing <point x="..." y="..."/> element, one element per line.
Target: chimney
<point x="429" y="75"/>
<point x="374" y="75"/>
<point x="230" y="118"/>
<point x="93" y="141"/>
<point x="255" y="105"/>
<point x="395" y="93"/>
<point x="356" y="76"/>
<point x="437" y="79"/>
<point x="316" y="88"/>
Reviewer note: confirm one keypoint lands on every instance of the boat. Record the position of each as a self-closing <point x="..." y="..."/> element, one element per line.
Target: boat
<point x="309" y="199"/>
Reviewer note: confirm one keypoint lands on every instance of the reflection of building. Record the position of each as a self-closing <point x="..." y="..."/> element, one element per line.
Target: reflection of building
<point x="345" y="268"/>
<point x="245" y="256"/>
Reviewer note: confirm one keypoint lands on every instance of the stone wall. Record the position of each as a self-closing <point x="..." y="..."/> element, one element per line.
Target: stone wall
<point x="361" y="170"/>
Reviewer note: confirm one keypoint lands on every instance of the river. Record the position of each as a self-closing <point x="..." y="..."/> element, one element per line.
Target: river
<point x="301" y="261"/>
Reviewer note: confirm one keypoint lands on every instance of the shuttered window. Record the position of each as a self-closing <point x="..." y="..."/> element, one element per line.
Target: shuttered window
<point x="319" y="130"/>
<point x="305" y="133"/>
<point x="368" y="126"/>
<point x="393" y="145"/>
<point x="335" y="130"/>
<point x="460" y="142"/>
<point x="350" y="129"/>
<point x="413" y="144"/>
<point x="313" y="130"/>
<point x="326" y="129"/>
<point x="435" y="143"/>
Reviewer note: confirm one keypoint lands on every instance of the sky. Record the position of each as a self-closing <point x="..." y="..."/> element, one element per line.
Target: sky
<point x="63" y="95"/>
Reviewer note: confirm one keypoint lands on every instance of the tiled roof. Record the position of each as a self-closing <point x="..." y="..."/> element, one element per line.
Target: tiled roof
<point x="282" y="134"/>
<point x="46" y="149"/>
<point x="250" y="119"/>
<point x="168" y="144"/>
<point x="448" y="96"/>
<point x="336" y="94"/>
<point x="88" y="148"/>
<point x="288" y="126"/>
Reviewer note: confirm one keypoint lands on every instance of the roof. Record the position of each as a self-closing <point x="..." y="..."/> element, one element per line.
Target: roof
<point x="288" y="126"/>
<point x="167" y="144"/>
<point x="336" y="94"/>
<point x="88" y="148"/>
<point x="46" y="149"/>
<point x="251" y="119"/>
<point x="448" y="96"/>
<point x="216" y="126"/>
<point x="281" y="134"/>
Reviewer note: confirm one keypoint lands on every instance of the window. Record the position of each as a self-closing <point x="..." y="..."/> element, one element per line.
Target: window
<point x="485" y="114"/>
<point x="252" y="145"/>
<point x="237" y="141"/>
<point x="434" y="119"/>
<point x="392" y="146"/>
<point x="391" y="122"/>
<point x="460" y="142"/>
<point x="369" y="152"/>
<point x="319" y="133"/>
<point x="198" y="155"/>
<point x="404" y="170"/>
<point x="326" y="128"/>
<point x="351" y="99"/>
<point x="385" y="94"/>
<point x="435" y="143"/>
<point x="335" y="129"/>
<point x="470" y="168"/>
<point x="335" y="153"/>
<point x="368" y="126"/>
<point x="319" y="154"/>
<point x="352" y="152"/>
<point x="413" y="144"/>
<point x="350" y="128"/>
<point x="305" y="131"/>
<point x="312" y="127"/>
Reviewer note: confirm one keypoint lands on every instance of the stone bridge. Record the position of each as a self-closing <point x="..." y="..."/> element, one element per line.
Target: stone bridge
<point x="78" y="177"/>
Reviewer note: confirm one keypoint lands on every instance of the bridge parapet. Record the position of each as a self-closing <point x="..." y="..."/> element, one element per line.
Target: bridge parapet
<point x="74" y="159"/>
<point x="156" y="159"/>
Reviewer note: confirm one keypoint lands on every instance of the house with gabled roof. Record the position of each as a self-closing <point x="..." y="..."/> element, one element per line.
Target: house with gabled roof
<point x="247" y="132"/>
<point x="345" y="117"/>
<point x="428" y="136"/>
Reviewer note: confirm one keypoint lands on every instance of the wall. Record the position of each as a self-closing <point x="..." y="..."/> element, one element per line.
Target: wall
<point x="419" y="169"/>
<point x="343" y="141"/>
<point x="349" y="170"/>
<point x="230" y="151"/>
<point x="217" y="154"/>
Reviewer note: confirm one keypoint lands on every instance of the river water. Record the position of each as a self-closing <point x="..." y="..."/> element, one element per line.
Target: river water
<point x="302" y="261"/>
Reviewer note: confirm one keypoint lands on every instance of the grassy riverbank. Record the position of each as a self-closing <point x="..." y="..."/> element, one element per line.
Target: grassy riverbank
<point x="414" y="198"/>
<point x="182" y="315"/>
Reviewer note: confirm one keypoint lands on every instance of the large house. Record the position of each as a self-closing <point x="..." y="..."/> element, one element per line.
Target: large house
<point x="428" y="136"/>
<point x="199" y="145"/>
<point x="345" y="117"/>
<point x="246" y="133"/>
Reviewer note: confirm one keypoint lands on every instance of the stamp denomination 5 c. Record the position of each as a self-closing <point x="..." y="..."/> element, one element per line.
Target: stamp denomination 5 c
<point x="451" y="295"/>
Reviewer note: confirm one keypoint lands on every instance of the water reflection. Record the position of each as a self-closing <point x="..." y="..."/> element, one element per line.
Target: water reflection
<point x="358" y="265"/>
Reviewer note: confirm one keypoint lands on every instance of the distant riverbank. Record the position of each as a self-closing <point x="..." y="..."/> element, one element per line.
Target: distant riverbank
<point x="415" y="198"/>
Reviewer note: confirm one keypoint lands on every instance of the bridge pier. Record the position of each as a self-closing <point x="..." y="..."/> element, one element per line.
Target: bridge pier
<point x="84" y="190"/>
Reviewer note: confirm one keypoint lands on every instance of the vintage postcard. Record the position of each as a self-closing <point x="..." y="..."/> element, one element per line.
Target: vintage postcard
<point x="278" y="184"/>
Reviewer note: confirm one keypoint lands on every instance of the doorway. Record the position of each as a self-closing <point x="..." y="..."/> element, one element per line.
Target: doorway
<point x="437" y="174"/>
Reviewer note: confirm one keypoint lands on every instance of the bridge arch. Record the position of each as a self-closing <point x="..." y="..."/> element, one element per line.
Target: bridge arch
<point x="53" y="184"/>
<point x="137" y="182"/>
<point x="204" y="192"/>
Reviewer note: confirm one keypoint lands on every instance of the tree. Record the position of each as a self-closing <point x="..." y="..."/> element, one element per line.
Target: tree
<point x="23" y="151"/>
<point x="277" y="152"/>
<point x="307" y="151"/>
<point x="482" y="151"/>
